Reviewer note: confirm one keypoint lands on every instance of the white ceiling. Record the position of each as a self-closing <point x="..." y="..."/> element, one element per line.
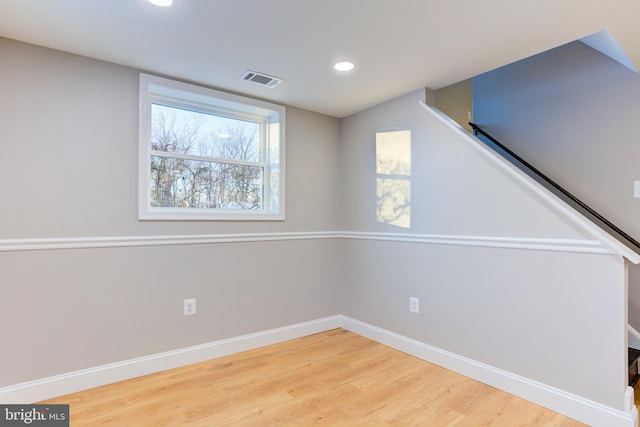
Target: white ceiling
<point x="397" y="45"/>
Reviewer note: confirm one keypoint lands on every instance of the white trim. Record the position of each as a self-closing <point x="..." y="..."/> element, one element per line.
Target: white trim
<point x="528" y="243"/>
<point x="579" y="408"/>
<point x="576" y="407"/>
<point x="59" y="385"/>
<point x="7" y="245"/>
<point x="541" y="192"/>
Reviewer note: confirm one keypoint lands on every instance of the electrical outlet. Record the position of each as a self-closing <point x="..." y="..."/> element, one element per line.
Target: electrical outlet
<point x="414" y="305"/>
<point x="189" y="306"/>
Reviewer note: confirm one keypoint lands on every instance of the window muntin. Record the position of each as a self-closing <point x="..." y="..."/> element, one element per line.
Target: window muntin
<point x="205" y="154"/>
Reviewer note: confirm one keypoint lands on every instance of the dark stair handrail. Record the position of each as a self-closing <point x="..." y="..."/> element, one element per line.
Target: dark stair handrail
<point x="636" y="245"/>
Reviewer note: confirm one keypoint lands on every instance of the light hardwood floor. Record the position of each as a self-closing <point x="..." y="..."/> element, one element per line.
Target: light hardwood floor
<point x="334" y="378"/>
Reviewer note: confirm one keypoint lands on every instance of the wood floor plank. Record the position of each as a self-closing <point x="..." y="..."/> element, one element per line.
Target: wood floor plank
<point x="334" y="378"/>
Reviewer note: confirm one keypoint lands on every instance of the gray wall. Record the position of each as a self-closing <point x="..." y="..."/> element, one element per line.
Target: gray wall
<point x="524" y="311"/>
<point x="72" y="122"/>
<point x="573" y="113"/>
<point x="69" y="141"/>
<point x="69" y="147"/>
<point x="447" y="196"/>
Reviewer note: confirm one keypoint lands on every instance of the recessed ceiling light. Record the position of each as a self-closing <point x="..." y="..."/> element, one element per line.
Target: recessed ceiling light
<point x="344" y="66"/>
<point x="163" y="3"/>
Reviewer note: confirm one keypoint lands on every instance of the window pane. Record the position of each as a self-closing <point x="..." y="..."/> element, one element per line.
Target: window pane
<point x="183" y="183"/>
<point x="183" y="131"/>
<point x="393" y="169"/>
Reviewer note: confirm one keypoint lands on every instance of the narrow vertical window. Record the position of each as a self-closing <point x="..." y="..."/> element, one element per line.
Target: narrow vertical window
<point x="393" y="178"/>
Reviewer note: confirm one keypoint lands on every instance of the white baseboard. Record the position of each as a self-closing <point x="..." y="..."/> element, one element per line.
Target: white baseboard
<point x="581" y="409"/>
<point x="59" y="385"/>
<point x="573" y="406"/>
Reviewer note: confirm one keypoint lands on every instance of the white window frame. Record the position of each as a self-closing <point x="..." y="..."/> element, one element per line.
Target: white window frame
<point x="271" y="117"/>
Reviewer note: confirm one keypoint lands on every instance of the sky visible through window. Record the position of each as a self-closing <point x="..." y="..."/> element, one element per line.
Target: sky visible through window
<point x="201" y="132"/>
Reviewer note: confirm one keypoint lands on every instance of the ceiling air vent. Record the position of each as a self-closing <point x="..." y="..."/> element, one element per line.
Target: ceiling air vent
<point x="261" y="78"/>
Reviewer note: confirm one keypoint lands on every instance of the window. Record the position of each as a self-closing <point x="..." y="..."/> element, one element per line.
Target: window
<point x="393" y="178"/>
<point x="208" y="155"/>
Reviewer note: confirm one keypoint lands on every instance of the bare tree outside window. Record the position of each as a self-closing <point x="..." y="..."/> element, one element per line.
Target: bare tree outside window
<point x="201" y="160"/>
